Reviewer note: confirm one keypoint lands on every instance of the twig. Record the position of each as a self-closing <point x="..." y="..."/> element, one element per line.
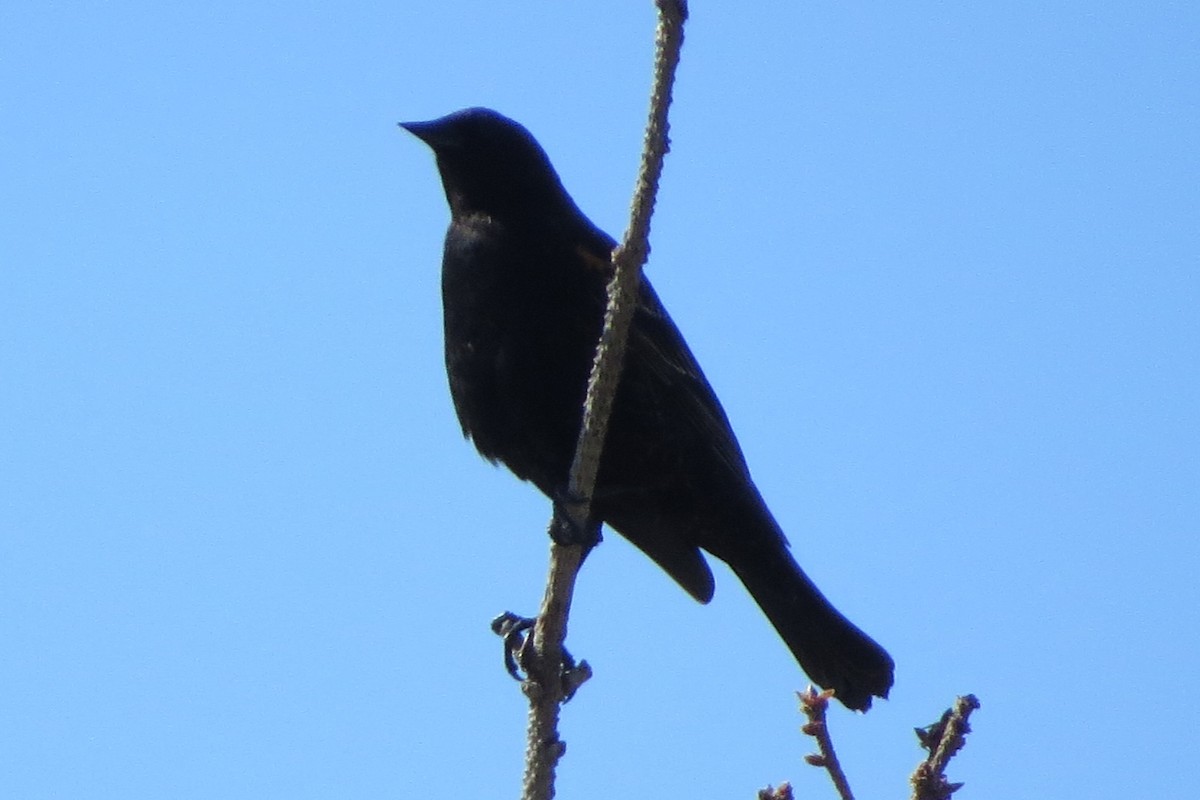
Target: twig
<point x="814" y="706"/>
<point x="627" y="259"/>
<point x="781" y="792"/>
<point x="546" y="685"/>
<point x="943" y="739"/>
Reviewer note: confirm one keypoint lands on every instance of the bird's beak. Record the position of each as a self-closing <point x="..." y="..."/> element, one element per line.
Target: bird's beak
<point x="432" y="133"/>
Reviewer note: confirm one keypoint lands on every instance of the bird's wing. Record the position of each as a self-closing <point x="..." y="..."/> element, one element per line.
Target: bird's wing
<point x="658" y="348"/>
<point x="673" y="377"/>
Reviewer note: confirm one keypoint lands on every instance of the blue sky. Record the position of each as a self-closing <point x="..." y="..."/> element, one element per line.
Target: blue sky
<point x="940" y="263"/>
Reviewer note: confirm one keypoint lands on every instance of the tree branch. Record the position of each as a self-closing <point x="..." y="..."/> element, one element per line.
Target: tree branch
<point x="814" y="706"/>
<point x="547" y="684"/>
<point x="943" y="739"/>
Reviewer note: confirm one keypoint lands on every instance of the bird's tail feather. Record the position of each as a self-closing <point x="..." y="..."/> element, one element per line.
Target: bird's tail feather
<point x="831" y="649"/>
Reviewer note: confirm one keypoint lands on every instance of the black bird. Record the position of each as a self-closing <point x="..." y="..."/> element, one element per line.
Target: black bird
<point x="523" y="293"/>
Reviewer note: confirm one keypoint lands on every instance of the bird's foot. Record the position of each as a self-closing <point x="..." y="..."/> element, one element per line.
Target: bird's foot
<point x="519" y="654"/>
<point x="570" y="525"/>
<point x="513" y="630"/>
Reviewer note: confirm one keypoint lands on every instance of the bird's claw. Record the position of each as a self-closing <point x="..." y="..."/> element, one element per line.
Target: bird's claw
<point x="518" y="644"/>
<point x="569" y="525"/>
<point x="511" y="628"/>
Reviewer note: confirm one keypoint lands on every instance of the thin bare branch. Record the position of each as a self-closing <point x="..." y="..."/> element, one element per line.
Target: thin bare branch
<point x="943" y="739"/>
<point x="550" y="679"/>
<point x="628" y="259"/>
<point x="781" y="792"/>
<point x="814" y="706"/>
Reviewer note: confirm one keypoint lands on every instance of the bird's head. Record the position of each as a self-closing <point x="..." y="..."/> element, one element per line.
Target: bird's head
<point x="490" y="164"/>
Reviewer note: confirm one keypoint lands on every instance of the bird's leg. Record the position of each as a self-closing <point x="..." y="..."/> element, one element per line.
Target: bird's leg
<point x="569" y="526"/>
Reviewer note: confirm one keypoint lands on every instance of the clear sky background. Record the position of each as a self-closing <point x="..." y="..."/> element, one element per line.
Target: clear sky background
<point x="941" y="263"/>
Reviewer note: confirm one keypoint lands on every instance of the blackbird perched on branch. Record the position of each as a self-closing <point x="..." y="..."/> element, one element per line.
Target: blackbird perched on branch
<point x="523" y="291"/>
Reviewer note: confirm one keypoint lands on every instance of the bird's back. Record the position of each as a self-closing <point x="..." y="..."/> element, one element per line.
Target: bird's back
<point x="523" y="314"/>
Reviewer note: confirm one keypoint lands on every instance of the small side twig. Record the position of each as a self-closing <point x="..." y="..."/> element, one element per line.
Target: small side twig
<point x="943" y="739"/>
<point x="549" y="681"/>
<point x="781" y="792"/>
<point x="814" y="706"/>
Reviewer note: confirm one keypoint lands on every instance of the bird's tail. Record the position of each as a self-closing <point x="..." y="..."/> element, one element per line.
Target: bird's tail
<point x="830" y="648"/>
